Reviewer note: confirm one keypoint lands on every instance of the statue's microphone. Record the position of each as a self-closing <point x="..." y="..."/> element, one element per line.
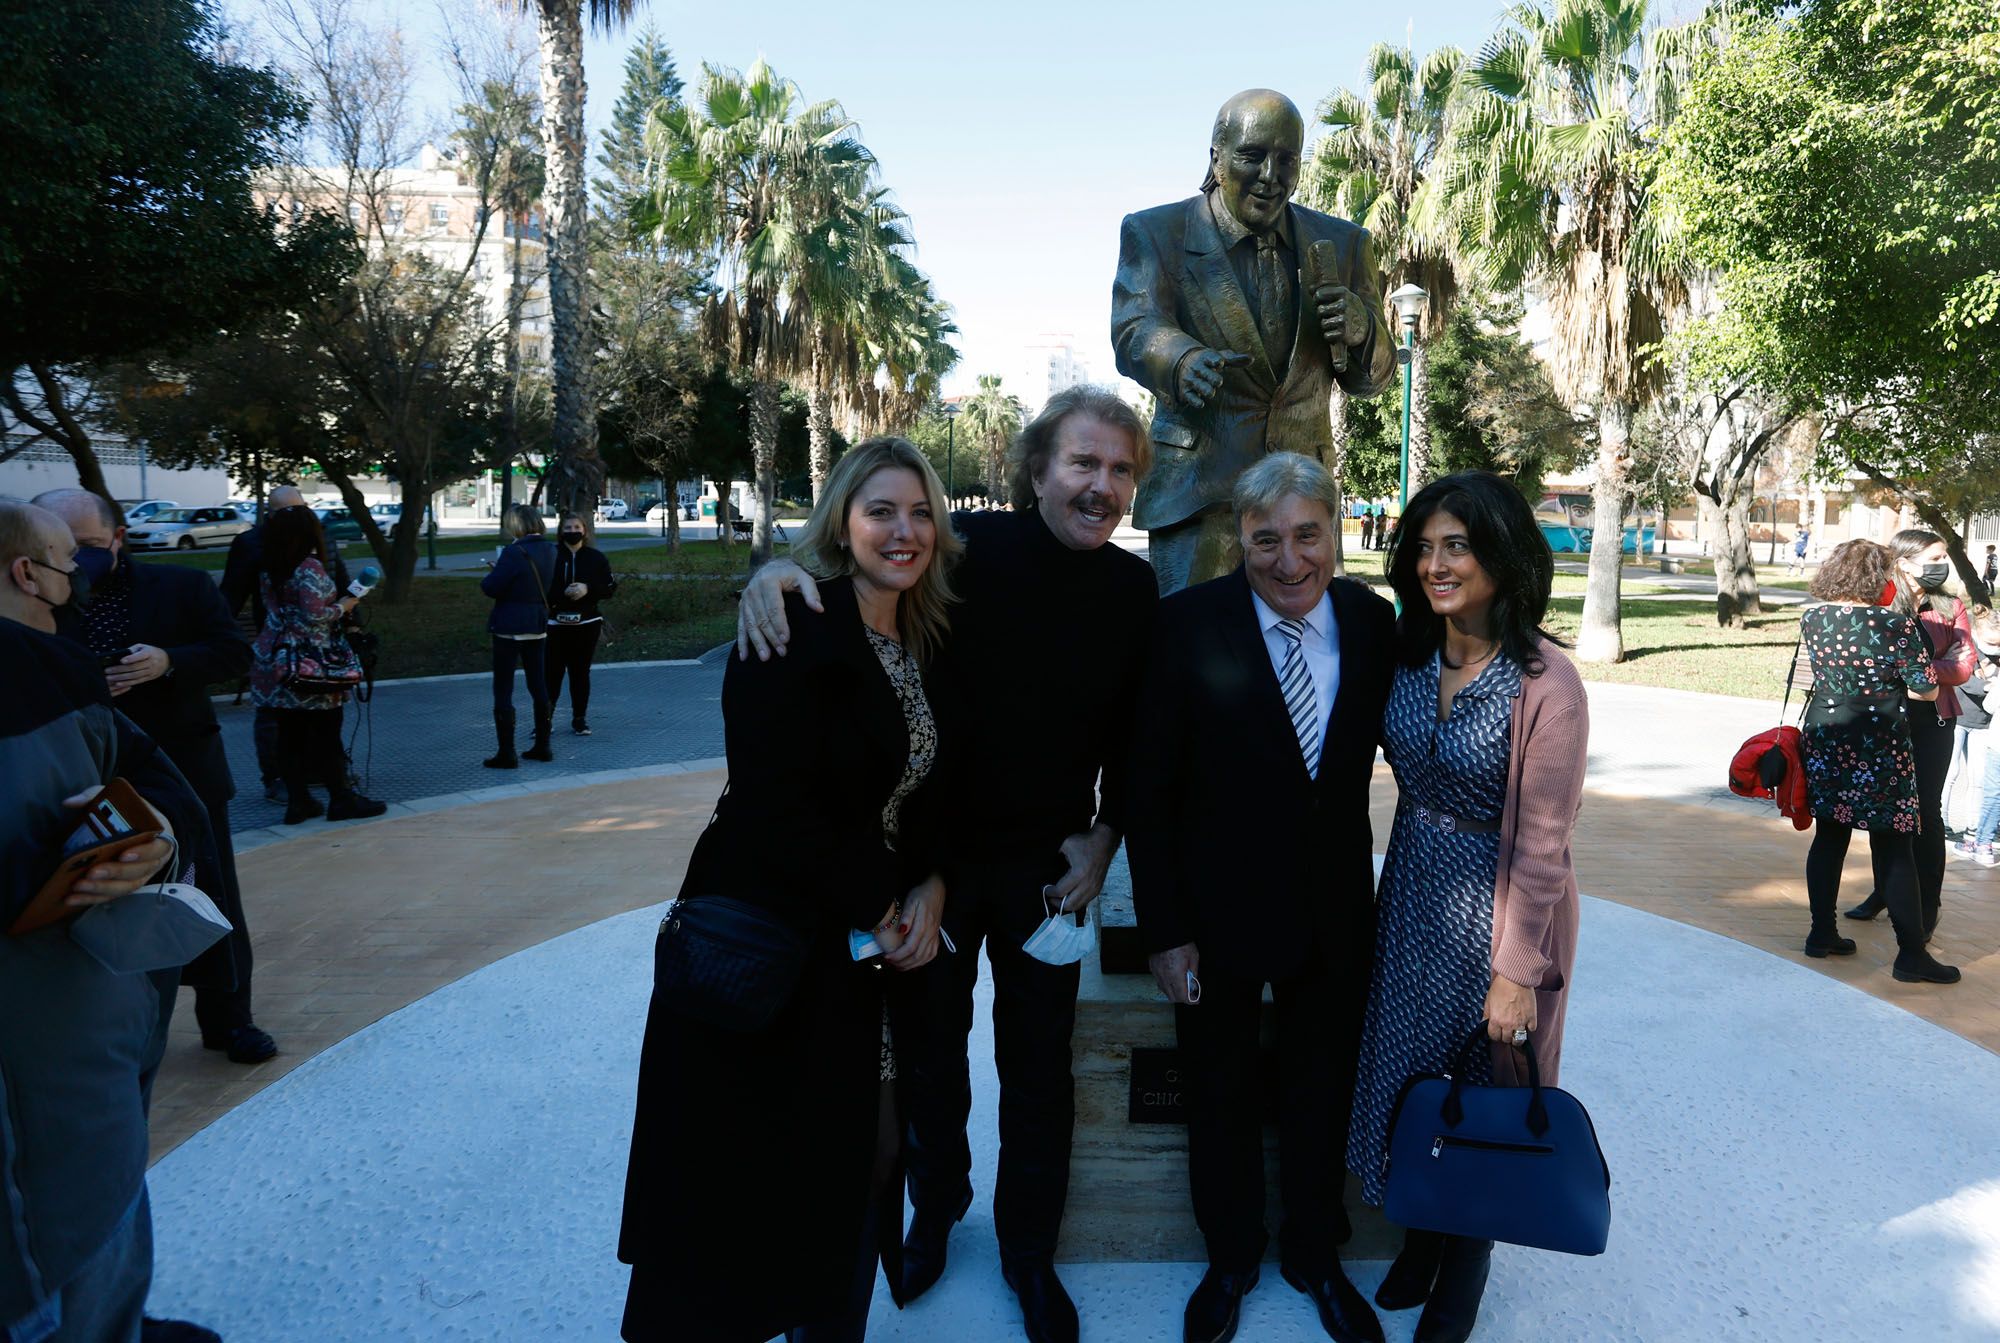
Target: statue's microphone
<point x="1323" y="268"/>
<point x="364" y="582"/>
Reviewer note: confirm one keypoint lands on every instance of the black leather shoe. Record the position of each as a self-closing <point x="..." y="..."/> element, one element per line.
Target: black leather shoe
<point x="1820" y="945"/>
<point x="1454" y="1305"/>
<point x="1047" y="1313"/>
<point x="1408" y="1284"/>
<point x="175" y="1331"/>
<point x="1868" y="908"/>
<point x="244" y="1044"/>
<point x="1213" y="1309"/>
<point x="924" y="1250"/>
<point x="1343" y="1311"/>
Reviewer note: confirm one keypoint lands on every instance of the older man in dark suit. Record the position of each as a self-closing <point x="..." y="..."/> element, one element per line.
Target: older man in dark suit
<point x="167" y="637"/>
<point x="1252" y="864"/>
<point x="1239" y="311"/>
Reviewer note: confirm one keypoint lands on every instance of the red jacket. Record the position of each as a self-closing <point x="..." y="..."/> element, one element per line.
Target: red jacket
<point x="1770" y="765"/>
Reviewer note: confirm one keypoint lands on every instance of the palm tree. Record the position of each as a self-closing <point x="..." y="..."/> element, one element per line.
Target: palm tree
<point x="1371" y="167"/>
<point x="992" y="417"/>
<point x="1545" y="180"/>
<point x="501" y="144"/>
<point x="575" y="470"/>
<point x="745" y="175"/>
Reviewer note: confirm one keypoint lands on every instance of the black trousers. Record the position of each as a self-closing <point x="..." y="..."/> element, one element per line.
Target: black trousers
<point x="1931" y="737"/>
<point x="1319" y="1031"/>
<point x="1034" y="1012"/>
<point x="1893" y="860"/>
<point x="530" y="656"/>
<point x="264" y="732"/>
<point x="221" y="975"/>
<point x="309" y="749"/>
<point x="571" y="649"/>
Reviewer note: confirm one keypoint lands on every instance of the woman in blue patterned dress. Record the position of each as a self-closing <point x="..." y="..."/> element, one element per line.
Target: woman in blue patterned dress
<point x="1868" y="663"/>
<point x="1477" y="910"/>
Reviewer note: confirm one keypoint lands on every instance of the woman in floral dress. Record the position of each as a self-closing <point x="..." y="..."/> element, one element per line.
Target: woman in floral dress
<point x="1868" y="663"/>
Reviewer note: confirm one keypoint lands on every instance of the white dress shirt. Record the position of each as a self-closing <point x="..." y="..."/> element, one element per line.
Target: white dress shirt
<point x="1321" y="647"/>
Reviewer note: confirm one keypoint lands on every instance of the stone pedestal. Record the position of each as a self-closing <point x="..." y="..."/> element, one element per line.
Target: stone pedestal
<point x="1128" y="1185"/>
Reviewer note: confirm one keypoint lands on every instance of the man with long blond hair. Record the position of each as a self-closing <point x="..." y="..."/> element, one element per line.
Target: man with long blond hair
<point x="1045" y="652"/>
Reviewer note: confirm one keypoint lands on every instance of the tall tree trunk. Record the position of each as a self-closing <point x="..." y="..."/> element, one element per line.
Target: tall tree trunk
<point x="722" y="537"/>
<point x="1334" y="459"/>
<point x="510" y="413"/>
<point x="819" y="427"/>
<point x="60" y="426"/>
<point x="1602" y="637"/>
<point x="1736" y="593"/>
<point x="671" y="503"/>
<point x="1420" y="429"/>
<point x="575" y="470"/>
<point x="995" y="450"/>
<point x="764" y="462"/>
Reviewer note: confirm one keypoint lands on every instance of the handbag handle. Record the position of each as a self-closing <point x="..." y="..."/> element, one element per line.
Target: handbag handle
<point x="1453" y="1109"/>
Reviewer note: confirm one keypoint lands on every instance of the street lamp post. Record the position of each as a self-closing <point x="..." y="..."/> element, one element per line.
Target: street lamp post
<point x="1409" y="303"/>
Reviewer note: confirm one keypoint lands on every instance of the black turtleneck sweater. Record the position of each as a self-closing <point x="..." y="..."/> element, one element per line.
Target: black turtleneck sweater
<point x="1046" y="652"/>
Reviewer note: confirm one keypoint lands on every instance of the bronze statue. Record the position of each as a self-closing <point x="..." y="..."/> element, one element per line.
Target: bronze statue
<point x="1205" y="314"/>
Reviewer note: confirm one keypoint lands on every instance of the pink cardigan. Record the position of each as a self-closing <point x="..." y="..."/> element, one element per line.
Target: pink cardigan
<point x="1535" y="901"/>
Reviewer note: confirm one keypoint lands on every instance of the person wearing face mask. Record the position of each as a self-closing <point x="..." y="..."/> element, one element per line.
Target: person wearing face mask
<point x="166" y="637"/>
<point x="1251" y="866"/>
<point x="1870" y="665"/>
<point x="519" y="585"/>
<point x="1049" y="641"/>
<point x="582" y="580"/>
<point x="1923" y="568"/>
<point x="763" y="1187"/>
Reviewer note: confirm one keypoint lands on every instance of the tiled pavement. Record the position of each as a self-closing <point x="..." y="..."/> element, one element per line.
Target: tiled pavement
<point x="353" y="922"/>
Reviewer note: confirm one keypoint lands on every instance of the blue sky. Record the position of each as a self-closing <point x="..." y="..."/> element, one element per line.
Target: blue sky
<point x="1017" y="134"/>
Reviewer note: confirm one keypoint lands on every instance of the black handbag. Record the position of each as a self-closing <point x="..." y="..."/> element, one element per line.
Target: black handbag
<point x="1514" y="1164"/>
<point x="726" y="962"/>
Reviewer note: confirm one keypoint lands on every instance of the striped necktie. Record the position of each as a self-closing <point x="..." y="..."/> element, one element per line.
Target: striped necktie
<point x="1295" y="679"/>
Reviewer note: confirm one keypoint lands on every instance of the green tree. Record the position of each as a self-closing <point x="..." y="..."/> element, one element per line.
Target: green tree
<point x="1371" y="167"/>
<point x="1839" y="165"/>
<point x="576" y="472"/>
<point x="746" y="171"/>
<point x="651" y="79"/>
<point x="128" y="152"/>
<point x="1546" y="180"/>
<point x="991" y="418"/>
<point x="499" y="140"/>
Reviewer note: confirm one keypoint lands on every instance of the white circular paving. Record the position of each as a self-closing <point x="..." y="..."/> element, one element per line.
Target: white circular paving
<point x="1791" y="1160"/>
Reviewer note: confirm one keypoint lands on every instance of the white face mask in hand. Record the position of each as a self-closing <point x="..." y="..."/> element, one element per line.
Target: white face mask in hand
<point x="1063" y="939"/>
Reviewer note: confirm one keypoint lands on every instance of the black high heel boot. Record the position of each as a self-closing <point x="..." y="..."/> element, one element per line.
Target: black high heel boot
<point x="924" y="1246"/>
<point x="540" y="750"/>
<point x="1868" y="908"/>
<point x="1461" y="1283"/>
<point x="503" y="728"/>
<point x="1410" y="1277"/>
<point x="1914" y="963"/>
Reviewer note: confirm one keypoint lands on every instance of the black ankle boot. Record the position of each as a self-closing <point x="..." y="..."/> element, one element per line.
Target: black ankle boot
<point x="503" y="727"/>
<point x="540" y="750"/>
<point x="349" y="805"/>
<point x="924" y="1247"/>
<point x="1868" y="908"/>
<point x="1822" y="942"/>
<point x="1461" y="1282"/>
<point x="1915" y="965"/>
<point x="300" y="804"/>
<point x="1410" y="1277"/>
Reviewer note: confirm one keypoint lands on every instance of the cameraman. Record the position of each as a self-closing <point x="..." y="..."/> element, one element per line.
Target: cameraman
<point x="164" y="637"/>
<point x="76" y="1245"/>
<point x="239" y="585"/>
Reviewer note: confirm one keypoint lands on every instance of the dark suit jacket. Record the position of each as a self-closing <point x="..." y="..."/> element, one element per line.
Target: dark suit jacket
<point x="1233" y="846"/>
<point x="180" y="610"/>
<point x="1174" y="293"/>
<point x="246" y="562"/>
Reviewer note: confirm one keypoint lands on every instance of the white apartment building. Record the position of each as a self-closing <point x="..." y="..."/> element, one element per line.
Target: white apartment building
<point x="1048" y="364"/>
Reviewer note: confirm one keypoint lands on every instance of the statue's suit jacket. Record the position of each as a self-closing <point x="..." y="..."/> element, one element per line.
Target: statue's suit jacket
<point x="1175" y="292"/>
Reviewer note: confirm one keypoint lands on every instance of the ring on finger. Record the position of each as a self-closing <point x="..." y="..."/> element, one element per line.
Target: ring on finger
<point x="1521" y="1036"/>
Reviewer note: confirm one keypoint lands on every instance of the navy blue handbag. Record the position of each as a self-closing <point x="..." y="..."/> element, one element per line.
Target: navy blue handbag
<point x="1514" y="1164"/>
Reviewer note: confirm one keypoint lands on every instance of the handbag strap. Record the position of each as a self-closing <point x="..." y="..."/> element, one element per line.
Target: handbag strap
<point x="536" y="574"/>
<point x="1791" y="675"/>
<point x="1453" y="1109"/>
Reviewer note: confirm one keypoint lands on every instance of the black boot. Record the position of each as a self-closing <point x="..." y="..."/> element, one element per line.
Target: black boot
<point x="349" y="805"/>
<point x="503" y="727"/>
<point x="924" y="1246"/>
<point x="1914" y="965"/>
<point x="1868" y="908"/>
<point x="849" y="1322"/>
<point x="300" y="804"/>
<point x="1461" y="1281"/>
<point x="540" y="750"/>
<point x="1408" y="1284"/>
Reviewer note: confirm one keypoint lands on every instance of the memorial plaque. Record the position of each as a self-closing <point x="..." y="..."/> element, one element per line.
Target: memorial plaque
<point x="1156" y="1088"/>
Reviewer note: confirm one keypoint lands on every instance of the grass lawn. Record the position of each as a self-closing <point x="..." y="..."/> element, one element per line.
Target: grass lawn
<point x="1677" y="644"/>
<point x="694" y="557"/>
<point x="441" y="628"/>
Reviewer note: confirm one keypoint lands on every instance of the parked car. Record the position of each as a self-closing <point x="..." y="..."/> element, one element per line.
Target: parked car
<point x="338" y="524"/>
<point x="139" y="510"/>
<point x="612" y="510"/>
<point x="187" y="528"/>
<point x="644" y="506"/>
<point x="247" y="507"/>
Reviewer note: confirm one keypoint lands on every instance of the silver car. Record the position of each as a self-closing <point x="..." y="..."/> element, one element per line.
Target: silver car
<point x="187" y="528"/>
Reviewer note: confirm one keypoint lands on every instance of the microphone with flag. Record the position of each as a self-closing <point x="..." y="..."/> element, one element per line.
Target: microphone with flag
<point x="1323" y="268"/>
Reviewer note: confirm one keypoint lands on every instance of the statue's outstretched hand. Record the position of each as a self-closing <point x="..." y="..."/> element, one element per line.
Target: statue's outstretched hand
<point x="1201" y="374"/>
